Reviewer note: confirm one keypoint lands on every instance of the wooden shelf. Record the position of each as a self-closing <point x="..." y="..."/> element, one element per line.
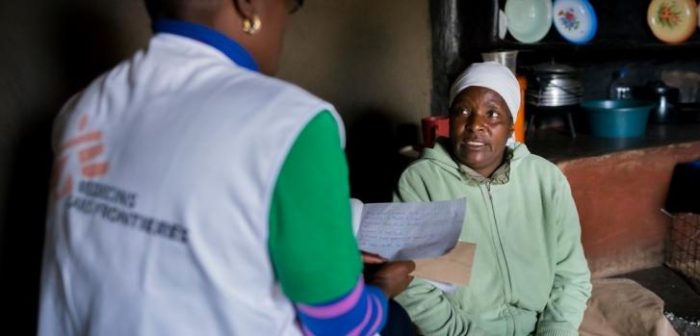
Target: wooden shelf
<point x="622" y="31"/>
<point x="598" y="45"/>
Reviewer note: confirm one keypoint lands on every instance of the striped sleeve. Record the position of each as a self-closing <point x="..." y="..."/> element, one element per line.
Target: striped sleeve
<point x="361" y="312"/>
<point x="311" y="244"/>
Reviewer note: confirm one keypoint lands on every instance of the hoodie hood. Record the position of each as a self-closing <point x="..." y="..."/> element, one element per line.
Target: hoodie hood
<point x="441" y="156"/>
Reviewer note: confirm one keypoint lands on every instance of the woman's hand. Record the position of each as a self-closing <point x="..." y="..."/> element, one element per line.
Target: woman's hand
<point x="393" y="277"/>
<point x="372" y="258"/>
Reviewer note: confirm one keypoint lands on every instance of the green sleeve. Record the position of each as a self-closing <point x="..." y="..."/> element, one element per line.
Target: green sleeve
<point x="311" y="244"/>
<point x="427" y="305"/>
<point x="572" y="280"/>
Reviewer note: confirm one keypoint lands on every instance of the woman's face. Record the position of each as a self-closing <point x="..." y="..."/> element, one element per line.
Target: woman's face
<point x="480" y="125"/>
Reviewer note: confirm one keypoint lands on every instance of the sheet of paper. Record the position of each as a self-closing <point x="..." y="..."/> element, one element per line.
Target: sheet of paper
<point x="356" y="207"/>
<point x="455" y="267"/>
<point x="403" y="231"/>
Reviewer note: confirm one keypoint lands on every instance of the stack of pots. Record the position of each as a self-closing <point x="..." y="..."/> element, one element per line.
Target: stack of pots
<point x="554" y="85"/>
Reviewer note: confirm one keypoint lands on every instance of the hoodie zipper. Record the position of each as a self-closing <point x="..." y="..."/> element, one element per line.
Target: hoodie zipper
<point x="506" y="272"/>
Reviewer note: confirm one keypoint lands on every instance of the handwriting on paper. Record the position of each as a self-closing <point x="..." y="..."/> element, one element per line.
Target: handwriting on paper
<point x="402" y="231"/>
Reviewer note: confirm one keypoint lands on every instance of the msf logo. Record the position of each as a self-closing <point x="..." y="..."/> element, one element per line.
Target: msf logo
<point x="85" y="147"/>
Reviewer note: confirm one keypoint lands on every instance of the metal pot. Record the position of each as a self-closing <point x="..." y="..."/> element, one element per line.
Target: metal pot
<point x="554" y="85"/>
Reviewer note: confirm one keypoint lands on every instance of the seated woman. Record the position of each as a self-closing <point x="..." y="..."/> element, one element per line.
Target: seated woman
<point x="529" y="274"/>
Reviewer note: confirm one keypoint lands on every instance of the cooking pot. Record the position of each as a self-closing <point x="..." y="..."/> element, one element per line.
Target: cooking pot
<point x="553" y="85"/>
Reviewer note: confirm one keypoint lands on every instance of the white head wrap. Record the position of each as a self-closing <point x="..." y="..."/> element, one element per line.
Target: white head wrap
<point x="494" y="76"/>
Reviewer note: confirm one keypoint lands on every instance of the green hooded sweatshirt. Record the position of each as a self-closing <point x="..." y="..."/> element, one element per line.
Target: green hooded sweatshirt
<point x="529" y="274"/>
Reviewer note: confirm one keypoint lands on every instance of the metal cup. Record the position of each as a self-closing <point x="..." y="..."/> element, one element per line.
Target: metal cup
<point x="507" y="58"/>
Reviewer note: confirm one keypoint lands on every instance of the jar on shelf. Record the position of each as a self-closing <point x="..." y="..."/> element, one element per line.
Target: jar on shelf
<point x="620" y="86"/>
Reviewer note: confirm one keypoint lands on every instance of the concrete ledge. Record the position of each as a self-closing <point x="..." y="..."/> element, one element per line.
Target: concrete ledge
<point x="619" y="197"/>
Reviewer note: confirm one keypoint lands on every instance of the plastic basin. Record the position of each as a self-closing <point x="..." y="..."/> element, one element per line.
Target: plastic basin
<point x="618" y="118"/>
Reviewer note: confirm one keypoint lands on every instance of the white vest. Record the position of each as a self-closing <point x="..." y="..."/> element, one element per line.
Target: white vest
<point x="158" y="219"/>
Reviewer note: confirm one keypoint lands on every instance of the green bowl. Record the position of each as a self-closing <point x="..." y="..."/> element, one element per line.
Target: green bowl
<point x="618" y="118"/>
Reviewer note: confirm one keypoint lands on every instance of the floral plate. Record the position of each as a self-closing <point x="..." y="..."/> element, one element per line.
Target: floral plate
<point x="575" y="20"/>
<point x="672" y="21"/>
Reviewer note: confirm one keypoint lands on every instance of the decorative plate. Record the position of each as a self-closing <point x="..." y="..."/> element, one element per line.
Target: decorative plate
<point x="672" y="21"/>
<point x="529" y="20"/>
<point x="575" y="20"/>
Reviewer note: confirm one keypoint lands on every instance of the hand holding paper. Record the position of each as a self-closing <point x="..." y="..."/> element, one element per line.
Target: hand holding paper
<point x="426" y="232"/>
<point x="393" y="277"/>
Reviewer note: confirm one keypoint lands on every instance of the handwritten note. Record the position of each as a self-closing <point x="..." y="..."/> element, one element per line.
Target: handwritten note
<point x="403" y="231"/>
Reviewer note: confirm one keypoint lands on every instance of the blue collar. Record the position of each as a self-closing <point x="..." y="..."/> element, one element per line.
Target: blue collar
<point x="209" y="36"/>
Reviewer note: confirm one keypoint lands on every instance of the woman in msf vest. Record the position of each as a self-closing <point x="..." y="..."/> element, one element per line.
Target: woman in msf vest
<point x="194" y="194"/>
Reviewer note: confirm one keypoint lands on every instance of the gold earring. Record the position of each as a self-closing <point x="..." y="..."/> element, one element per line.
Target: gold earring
<point x="251" y="27"/>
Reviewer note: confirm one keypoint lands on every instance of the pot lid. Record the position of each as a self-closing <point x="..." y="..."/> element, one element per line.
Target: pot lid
<point x="660" y="87"/>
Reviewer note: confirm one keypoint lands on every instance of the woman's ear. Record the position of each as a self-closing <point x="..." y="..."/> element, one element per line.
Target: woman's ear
<point x="245" y="8"/>
<point x="248" y="11"/>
